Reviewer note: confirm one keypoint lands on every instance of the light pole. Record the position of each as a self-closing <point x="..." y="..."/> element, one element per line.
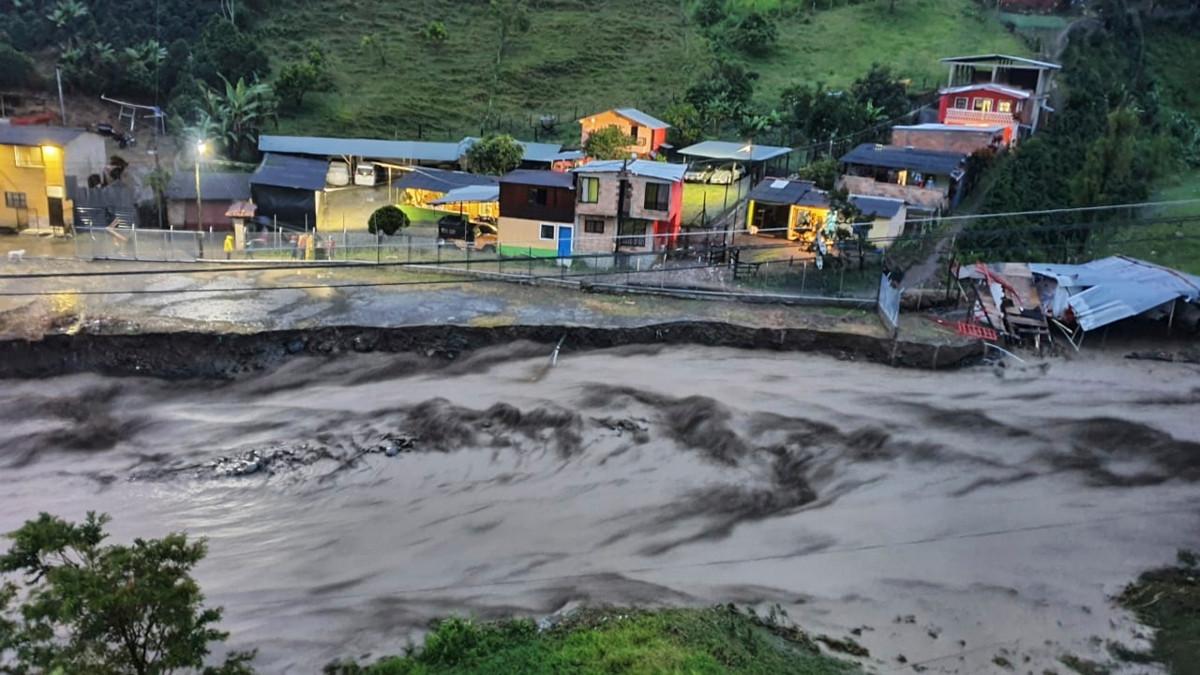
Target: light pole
<point x="201" y="148"/>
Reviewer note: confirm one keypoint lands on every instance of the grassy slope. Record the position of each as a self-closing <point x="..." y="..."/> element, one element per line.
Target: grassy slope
<point x="1168" y="600"/>
<point x="717" y="640"/>
<point x="585" y="56"/>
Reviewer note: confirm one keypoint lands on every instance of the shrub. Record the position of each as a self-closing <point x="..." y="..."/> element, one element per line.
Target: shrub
<point x="435" y="32"/>
<point x="388" y="220"/>
<point x="16" y="69"/>
<point x="709" y="13"/>
<point x="754" y="34"/>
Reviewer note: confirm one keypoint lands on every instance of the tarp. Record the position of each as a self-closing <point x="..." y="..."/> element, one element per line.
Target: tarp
<point x="469" y="195"/>
<point x="1110" y="289"/>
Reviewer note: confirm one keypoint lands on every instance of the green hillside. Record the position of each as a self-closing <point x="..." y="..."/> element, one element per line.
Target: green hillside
<point x="583" y="56"/>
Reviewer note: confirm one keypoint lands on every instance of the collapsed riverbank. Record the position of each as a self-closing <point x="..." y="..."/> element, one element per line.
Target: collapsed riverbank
<point x="192" y="354"/>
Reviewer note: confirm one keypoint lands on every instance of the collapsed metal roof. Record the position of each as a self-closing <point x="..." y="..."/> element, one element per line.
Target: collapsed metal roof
<point x="1103" y="291"/>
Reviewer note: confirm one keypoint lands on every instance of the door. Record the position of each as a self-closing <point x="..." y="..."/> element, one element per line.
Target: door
<point x="564" y="242"/>
<point x="55" y="205"/>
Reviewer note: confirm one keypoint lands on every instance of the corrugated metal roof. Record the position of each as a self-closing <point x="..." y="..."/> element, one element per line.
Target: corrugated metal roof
<point x="977" y="58"/>
<point x="469" y="195"/>
<point x="214" y="185"/>
<point x="641" y="118"/>
<point x="898" y="157"/>
<point x="743" y="152"/>
<point x="637" y="167"/>
<point x="16" y="134"/>
<point x="1015" y="92"/>
<point x="1110" y="289"/>
<point x="556" y="179"/>
<point x="877" y="207"/>
<point x="427" y="151"/>
<point x="440" y="180"/>
<point x="779" y="191"/>
<point x="300" y="173"/>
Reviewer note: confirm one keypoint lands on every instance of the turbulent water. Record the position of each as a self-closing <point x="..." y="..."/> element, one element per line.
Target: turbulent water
<point x="946" y="518"/>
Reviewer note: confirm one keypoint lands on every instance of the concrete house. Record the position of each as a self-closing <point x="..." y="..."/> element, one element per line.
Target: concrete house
<point x="537" y="213"/>
<point x="887" y="216"/>
<point x="787" y="209"/>
<point x="41" y="169"/>
<point x="648" y="132"/>
<point x="624" y="206"/>
<point x="924" y="179"/>
<point x="997" y="90"/>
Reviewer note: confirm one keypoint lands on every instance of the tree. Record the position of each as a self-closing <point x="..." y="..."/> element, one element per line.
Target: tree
<point x="752" y="124"/>
<point x="388" y="220"/>
<point x="496" y="154"/>
<point x="225" y="52"/>
<point x="723" y="93"/>
<point x="608" y="143"/>
<point x="79" y="606"/>
<point x="882" y="89"/>
<point x="237" y="113"/>
<point x="435" y="32"/>
<point x="822" y="172"/>
<point x="16" y="69"/>
<point x="687" y="125"/>
<point x="709" y="13"/>
<point x="296" y="80"/>
<point x="754" y="34"/>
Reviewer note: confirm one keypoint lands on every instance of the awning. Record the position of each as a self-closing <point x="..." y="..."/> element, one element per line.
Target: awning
<point x="472" y="194"/>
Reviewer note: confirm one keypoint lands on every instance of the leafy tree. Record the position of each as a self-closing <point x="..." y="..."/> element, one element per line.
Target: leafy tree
<point x="819" y="114"/>
<point x="496" y="154"/>
<point x="882" y="89"/>
<point x="1114" y="169"/>
<point x="723" y="93"/>
<point x="608" y="143"/>
<point x="80" y="606"/>
<point x="822" y="172"/>
<point x="388" y="219"/>
<point x="512" y="17"/>
<point x="236" y="114"/>
<point x="226" y="52"/>
<point x="435" y="32"/>
<point x="754" y="125"/>
<point x="754" y="34"/>
<point x="373" y="42"/>
<point x="687" y="125"/>
<point x="709" y="13"/>
<point x="294" y="81"/>
<point x="16" y="69"/>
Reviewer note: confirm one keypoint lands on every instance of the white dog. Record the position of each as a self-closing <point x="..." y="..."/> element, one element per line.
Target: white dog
<point x="16" y="256"/>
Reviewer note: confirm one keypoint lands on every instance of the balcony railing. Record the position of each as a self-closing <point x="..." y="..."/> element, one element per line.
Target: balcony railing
<point x="978" y="117"/>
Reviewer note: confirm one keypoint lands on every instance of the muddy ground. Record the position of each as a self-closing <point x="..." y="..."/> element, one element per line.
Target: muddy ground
<point x="953" y="521"/>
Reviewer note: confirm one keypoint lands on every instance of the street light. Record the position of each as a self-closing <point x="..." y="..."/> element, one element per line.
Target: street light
<point x="201" y="148"/>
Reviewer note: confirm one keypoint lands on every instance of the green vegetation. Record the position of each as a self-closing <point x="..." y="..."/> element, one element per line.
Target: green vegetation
<point x="74" y="605"/>
<point x="496" y="154"/>
<point x="1168" y="600"/>
<point x="638" y="53"/>
<point x="716" y="640"/>
<point x="608" y="143"/>
<point x="388" y="220"/>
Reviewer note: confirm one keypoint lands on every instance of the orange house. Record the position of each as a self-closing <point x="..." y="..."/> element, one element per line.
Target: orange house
<point x="649" y="133"/>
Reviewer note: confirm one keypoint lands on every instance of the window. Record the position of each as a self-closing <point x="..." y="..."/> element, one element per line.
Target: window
<point x="593" y="225"/>
<point x="1004" y="106"/>
<point x="960" y="102"/>
<point x="589" y="190"/>
<point x="547" y="232"/>
<point x="632" y="233"/>
<point x="16" y="200"/>
<point x="29" y="158"/>
<point x="657" y="196"/>
<point x="983" y="104"/>
<point x="537" y="196"/>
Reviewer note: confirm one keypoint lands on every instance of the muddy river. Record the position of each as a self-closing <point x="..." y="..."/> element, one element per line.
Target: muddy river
<point x="944" y="517"/>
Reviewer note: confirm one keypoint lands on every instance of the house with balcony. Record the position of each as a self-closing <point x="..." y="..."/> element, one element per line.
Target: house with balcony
<point x="926" y="180"/>
<point x="42" y="169"/>
<point x="537" y="213"/>
<point x="991" y="90"/>
<point x="626" y="207"/>
<point x="647" y="132"/>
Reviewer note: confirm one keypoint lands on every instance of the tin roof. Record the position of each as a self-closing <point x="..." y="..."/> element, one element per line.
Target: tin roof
<point x="1114" y="288"/>
<point x="440" y="180"/>
<point x="556" y="179"/>
<point x="899" y="157"/>
<point x="638" y="167"/>
<point x="642" y="118"/>
<point x="780" y="191"/>
<point x="470" y="194"/>
<point x="320" y="146"/>
<point x="934" y="126"/>
<point x="1005" y="59"/>
<point x="16" y="134"/>
<point x="877" y="207"/>
<point x="1014" y="92"/>
<point x="214" y="186"/>
<point x="300" y="173"/>
<point x="745" y="152"/>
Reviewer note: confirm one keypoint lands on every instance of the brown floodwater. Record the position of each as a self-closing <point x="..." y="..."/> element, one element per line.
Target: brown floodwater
<point x="948" y="517"/>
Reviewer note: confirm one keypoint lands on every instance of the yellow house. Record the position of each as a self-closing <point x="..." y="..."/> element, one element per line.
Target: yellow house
<point x="648" y="132"/>
<point x="39" y="169"/>
<point x="788" y="209"/>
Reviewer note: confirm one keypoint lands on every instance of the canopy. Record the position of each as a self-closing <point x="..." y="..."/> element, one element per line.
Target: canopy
<point x="469" y="195"/>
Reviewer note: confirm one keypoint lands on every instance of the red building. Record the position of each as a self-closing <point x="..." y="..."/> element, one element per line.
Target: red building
<point x="997" y="90"/>
<point x="647" y="133"/>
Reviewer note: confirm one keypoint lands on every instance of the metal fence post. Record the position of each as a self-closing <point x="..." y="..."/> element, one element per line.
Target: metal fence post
<point x="529" y="252"/>
<point x="469" y="247"/>
<point x="377" y="249"/>
<point x="803" y="276"/>
<point x="135" y="245"/>
<point x="842" y="278"/>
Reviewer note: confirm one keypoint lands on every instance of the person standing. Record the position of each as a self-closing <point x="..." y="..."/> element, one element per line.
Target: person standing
<point x="228" y="246"/>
